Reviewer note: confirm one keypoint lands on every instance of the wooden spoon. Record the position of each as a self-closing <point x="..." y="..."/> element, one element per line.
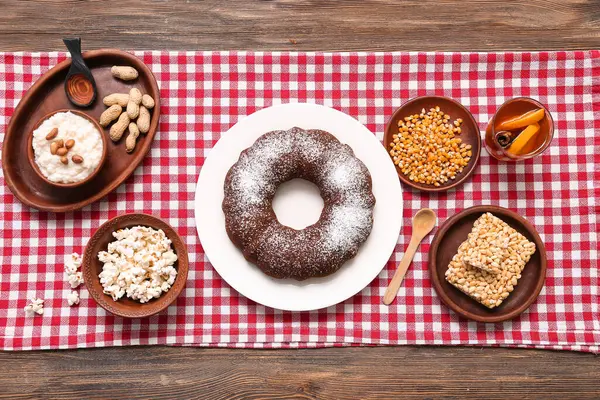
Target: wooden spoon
<point x="423" y="223"/>
<point x="80" y="85"/>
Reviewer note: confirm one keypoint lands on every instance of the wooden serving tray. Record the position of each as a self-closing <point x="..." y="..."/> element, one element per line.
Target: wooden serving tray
<point x="48" y="95"/>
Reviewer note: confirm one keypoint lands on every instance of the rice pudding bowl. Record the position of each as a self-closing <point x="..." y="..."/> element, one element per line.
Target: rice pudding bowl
<point x="78" y="142"/>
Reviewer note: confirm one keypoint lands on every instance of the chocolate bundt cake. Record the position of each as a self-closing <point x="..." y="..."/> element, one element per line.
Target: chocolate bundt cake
<point x="317" y="250"/>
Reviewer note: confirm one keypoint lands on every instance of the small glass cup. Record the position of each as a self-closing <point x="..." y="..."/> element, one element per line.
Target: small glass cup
<point x="511" y="109"/>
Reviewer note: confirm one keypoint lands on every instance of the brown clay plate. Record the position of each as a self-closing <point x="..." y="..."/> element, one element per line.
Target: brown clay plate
<point x="445" y="245"/>
<point x="469" y="135"/>
<point x="91" y="267"/>
<point x="48" y="95"/>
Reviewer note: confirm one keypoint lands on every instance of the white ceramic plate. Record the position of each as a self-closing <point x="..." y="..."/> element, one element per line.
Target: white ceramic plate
<point x="313" y="293"/>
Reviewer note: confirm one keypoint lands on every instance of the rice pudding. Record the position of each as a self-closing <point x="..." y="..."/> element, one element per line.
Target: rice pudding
<point x="68" y="148"/>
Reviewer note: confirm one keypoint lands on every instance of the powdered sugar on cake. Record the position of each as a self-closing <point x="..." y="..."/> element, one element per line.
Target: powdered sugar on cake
<point x="255" y="173"/>
<point x="346" y="226"/>
<point x="345" y="185"/>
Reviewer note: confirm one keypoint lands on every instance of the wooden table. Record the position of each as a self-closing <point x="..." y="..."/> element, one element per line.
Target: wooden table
<point x="375" y="372"/>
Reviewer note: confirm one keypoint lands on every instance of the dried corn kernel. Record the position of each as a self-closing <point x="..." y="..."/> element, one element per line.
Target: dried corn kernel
<point x="426" y="149"/>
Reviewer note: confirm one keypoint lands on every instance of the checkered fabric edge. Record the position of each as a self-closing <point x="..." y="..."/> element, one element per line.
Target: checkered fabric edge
<point x="205" y="93"/>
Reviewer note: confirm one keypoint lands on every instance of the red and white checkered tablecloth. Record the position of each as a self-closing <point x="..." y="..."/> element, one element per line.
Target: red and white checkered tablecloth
<point x="205" y="93"/>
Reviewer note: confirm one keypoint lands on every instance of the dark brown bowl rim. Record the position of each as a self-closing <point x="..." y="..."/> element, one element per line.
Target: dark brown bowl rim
<point x="438" y="283"/>
<point x="470" y="166"/>
<point x="166" y="299"/>
<point x="31" y="155"/>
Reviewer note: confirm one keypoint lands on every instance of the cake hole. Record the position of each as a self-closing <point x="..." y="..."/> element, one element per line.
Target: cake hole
<point x="298" y="203"/>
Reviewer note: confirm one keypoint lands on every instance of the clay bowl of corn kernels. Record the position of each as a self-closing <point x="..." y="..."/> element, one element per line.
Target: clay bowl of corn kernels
<point x="445" y="245"/>
<point x="409" y="150"/>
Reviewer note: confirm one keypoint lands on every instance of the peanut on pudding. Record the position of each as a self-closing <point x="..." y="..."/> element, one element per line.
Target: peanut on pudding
<point x="67" y="148"/>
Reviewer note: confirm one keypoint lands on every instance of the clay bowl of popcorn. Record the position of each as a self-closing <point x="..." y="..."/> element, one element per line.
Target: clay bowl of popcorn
<point x="66" y="148"/>
<point x="135" y="265"/>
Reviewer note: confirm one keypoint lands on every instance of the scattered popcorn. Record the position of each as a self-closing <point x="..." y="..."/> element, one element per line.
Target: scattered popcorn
<point x="74" y="277"/>
<point x="139" y="264"/>
<point x="73" y="298"/>
<point x="72" y="263"/>
<point x="35" y="306"/>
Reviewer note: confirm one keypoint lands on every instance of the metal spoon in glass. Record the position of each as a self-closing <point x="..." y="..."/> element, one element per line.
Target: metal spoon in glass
<point x="423" y="223"/>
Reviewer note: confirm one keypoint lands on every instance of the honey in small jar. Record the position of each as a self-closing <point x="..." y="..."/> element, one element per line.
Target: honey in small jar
<point x="520" y="129"/>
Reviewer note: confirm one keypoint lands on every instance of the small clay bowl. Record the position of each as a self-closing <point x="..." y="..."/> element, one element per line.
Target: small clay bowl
<point x="469" y="135"/>
<point x="31" y="155"/>
<point x="445" y="245"/>
<point x="510" y="108"/>
<point x="91" y="267"/>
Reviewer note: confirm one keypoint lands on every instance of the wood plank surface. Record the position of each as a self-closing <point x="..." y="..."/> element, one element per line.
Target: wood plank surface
<point x="303" y="25"/>
<point x="340" y="373"/>
<point x="368" y="373"/>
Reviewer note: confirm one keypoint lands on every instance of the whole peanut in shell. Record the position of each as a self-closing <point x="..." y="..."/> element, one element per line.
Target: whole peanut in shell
<point x="124" y="73"/>
<point x="116" y="98"/>
<point x="133" y="107"/>
<point x="135" y="95"/>
<point x="131" y="139"/>
<point x="143" y="121"/>
<point x="148" y="101"/>
<point x="110" y="114"/>
<point x="117" y="130"/>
